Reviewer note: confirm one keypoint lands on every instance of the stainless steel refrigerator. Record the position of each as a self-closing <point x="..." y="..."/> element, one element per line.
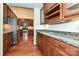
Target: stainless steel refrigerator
<point x="13" y="22"/>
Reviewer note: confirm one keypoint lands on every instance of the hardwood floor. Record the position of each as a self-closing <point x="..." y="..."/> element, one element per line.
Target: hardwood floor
<point x="24" y="48"/>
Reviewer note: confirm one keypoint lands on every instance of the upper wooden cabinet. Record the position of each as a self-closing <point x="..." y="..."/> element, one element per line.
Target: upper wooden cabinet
<point x="60" y="12"/>
<point x="21" y="21"/>
<point x="47" y="6"/>
<point x="30" y="22"/>
<point x="71" y="11"/>
<point x="53" y="12"/>
<point x="7" y="13"/>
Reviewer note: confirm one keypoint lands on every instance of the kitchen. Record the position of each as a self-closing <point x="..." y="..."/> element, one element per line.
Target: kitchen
<point x="18" y="26"/>
<point x="53" y="29"/>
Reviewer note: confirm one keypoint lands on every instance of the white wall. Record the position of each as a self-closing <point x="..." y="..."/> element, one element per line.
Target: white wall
<point x="69" y="27"/>
<point x="1" y="28"/>
<point x="26" y="13"/>
<point x="36" y="21"/>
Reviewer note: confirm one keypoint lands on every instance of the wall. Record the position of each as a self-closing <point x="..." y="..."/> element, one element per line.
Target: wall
<point x="36" y="22"/>
<point x="1" y="28"/>
<point x="72" y="26"/>
<point x="23" y="12"/>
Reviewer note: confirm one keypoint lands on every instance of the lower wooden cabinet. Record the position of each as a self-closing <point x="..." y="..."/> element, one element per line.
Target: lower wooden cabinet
<point x="52" y="47"/>
<point x="40" y="42"/>
<point x="47" y="49"/>
<point x="30" y="31"/>
<point x="7" y="41"/>
<point x="18" y="35"/>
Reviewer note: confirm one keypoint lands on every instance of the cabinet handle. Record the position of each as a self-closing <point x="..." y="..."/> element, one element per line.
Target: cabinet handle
<point x="61" y="47"/>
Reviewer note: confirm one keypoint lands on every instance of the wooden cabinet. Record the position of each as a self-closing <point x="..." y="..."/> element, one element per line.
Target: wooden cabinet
<point x="47" y="48"/>
<point x="58" y="52"/>
<point x="60" y="12"/>
<point x="7" y="39"/>
<point x="48" y="6"/>
<point x="28" y="21"/>
<point x="52" y="47"/>
<point x="18" y="35"/>
<point x="7" y="13"/>
<point x="71" y="11"/>
<point x="53" y="13"/>
<point x="21" y="21"/>
<point x="40" y="42"/>
<point x="70" y="50"/>
<point x="30" y="31"/>
<point x="12" y="15"/>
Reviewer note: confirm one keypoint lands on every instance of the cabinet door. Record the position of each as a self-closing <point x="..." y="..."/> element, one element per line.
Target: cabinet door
<point x="7" y="42"/>
<point x="9" y="12"/>
<point x="18" y="35"/>
<point x="68" y="49"/>
<point x="71" y="11"/>
<point x="48" y="6"/>
<point x="5" y="20"/>
<point x="30" y="32"/>
<point x="47" y="49"/>
<point x="58" y="52"/>
<point x="53" y="13"/>
<point x="5" y="11"/>
<point x="12" y="14"/>
<point x="40" y="41"/>
<point x="29" y="22"/>
<point x="37" y="40"/>
<point x="21" y="21"/>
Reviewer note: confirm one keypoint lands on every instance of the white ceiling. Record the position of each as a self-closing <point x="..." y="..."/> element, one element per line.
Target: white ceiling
<point x="27" y="5"/>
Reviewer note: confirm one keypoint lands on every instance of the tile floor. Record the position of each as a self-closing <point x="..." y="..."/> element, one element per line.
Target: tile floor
<point x="24" y="48"/>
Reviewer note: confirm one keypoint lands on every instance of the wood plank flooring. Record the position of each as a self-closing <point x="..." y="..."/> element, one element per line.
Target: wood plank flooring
<point x="24" y="48"/>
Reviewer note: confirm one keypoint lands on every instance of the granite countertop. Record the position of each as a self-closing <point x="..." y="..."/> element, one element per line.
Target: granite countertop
<point x="67" y="40"/>
<point x="6" y="32"/>
<point x="10" y="31"/>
